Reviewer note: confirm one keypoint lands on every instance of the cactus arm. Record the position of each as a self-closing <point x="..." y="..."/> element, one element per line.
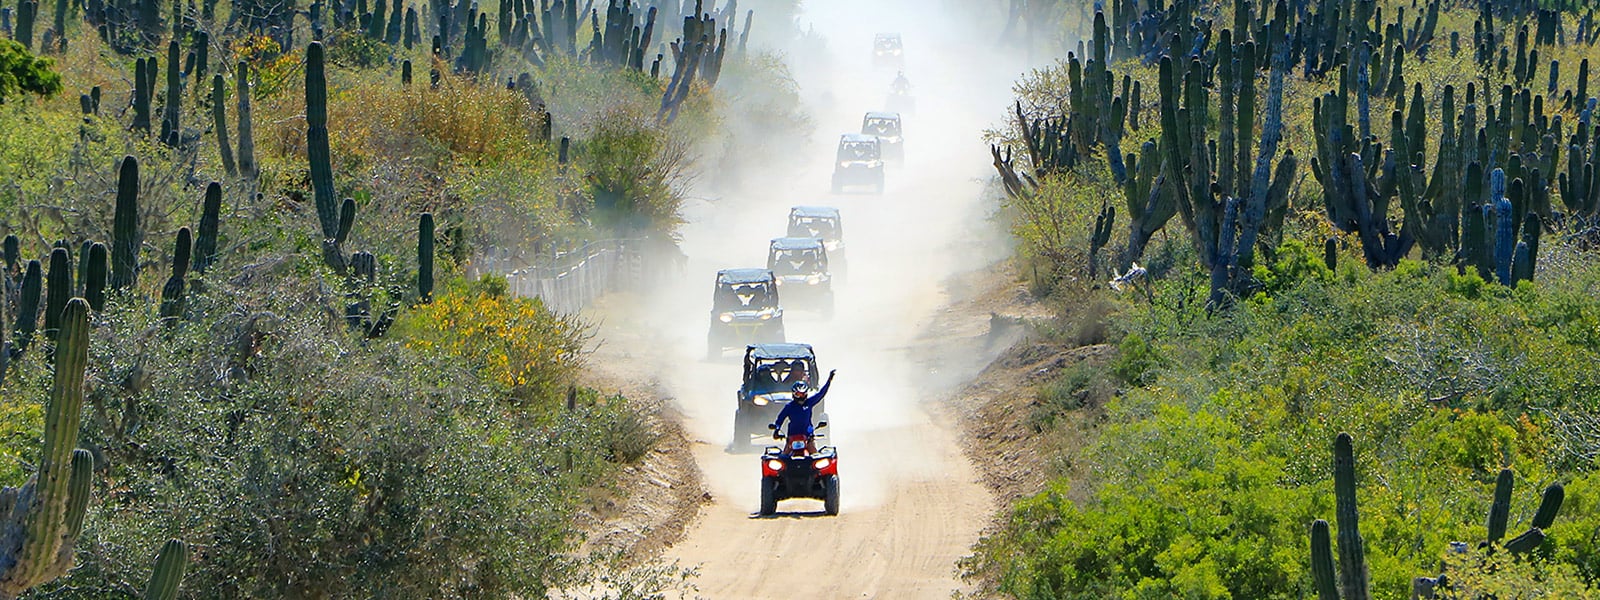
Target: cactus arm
<point x="205" y="243"/>
<point x="94" y="279"/>
<point x="1549" y="505"/>
<point x="1500" y="509"/>
<point x="58" y="289"/>
<point x="79" y="491"/>
<point x="171" y="563"/>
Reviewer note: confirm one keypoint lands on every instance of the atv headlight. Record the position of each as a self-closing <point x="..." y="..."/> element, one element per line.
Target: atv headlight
<point x="775" y="464"/>
<point x="813" y="279"/>
<point x="726" y="317"/>
<point x="766" y="314"/>
<point x="844" y="164"/>
<point x="760" y="400"/>
<point x="822" y="463"/>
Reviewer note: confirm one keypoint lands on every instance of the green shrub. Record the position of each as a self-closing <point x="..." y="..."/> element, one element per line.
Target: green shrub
<point x="23" y="73"/>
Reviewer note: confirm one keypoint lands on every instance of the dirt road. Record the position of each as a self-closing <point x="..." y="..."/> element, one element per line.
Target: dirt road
<point x="912" y="504"/>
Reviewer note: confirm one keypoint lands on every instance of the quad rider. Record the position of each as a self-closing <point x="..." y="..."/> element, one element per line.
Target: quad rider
<point x="901" y="85"/>
<point x="798" y="413"/>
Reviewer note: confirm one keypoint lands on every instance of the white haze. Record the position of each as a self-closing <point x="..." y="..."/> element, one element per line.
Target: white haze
<point x="902" y="247"/>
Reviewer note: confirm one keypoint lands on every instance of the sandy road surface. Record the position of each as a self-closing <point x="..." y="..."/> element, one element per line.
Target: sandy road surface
<point x="912" y="504"/>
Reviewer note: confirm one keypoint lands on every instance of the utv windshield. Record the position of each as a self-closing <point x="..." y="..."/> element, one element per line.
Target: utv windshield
<point x="814" y="227"/>
<point x="849" y="151"/>
<point x="779" y="375"/>
<point x="881" y="127"/>
<point x="744" y="296"/>
<point x="796" y="262"/>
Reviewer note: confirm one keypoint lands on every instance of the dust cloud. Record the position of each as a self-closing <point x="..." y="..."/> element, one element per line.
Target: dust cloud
<point x="933" y="221"/>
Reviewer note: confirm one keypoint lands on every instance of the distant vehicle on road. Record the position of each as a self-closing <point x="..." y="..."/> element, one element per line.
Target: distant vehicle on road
<point x="859" y="162"/>
<point x="744" y="310"/>
<point x="886" y="127"/>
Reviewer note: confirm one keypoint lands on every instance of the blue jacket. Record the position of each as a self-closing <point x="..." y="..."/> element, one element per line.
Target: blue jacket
<point x="798" y="413"/>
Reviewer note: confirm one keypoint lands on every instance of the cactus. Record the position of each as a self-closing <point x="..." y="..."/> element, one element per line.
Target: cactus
<point x="172" y="292"/>
<point x="171" y="563"/>
<point x="1526" y="256"/>
<point x="125" y="235"/>
<point x="205" y="242"/>
<point x="141" y="96"/>
<point x="413" y="32"/>
<point x="333" y="248"/>
<point x="28" y="306"/>
<point x="1500" y="509"/>
<point x="1330" y="253"/>
<point x="1504" y="226"/>
<point x="219" y="121"/>
<point x="94" y="279"/>
<point x="364" y="267"/>
<point x="27" y="13"/>
<point x="1101" y="234"/>
<point x="172" y="113"/>
<point x="317" y="141"/>
<point x="1322" y="570"/>
<point x="405" y="72"/>
<point x="83" y="269"/>
<point x="181" y="253"/>
<point x="247" y="147"/>
<point x="60" y="27"/>
<point x="58" y="290"/>
<point x="425" y="258"/>
<point x="47" y="513"/>
<point x="13" y="254"/>
<point x="1352" y="555"/>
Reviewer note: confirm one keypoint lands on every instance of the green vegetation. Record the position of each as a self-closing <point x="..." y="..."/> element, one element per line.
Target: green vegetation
<point x="1429" y="288"/>
<point x="296" y="366"/>
<point x="24" y="73"/>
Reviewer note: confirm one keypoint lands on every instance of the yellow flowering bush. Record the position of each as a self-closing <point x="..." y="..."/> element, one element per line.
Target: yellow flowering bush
<point x="514" y="343"/>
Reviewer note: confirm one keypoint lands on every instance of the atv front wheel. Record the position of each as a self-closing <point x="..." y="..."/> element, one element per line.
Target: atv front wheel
<point x="769" y="496"/>
<point x="830" y="495"/>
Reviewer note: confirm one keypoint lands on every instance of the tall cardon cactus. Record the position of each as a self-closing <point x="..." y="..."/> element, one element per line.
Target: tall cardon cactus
<point x="125" y="237"/>
<point x="46" y="514"/>
<point x="1351" y="581"/>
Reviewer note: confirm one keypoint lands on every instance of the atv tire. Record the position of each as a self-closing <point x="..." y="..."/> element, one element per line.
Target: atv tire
<point x="769" y="496"/>
<point x="830" y="495"/>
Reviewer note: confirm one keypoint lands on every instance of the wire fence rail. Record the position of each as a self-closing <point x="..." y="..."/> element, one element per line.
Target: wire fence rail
<point x="569" y="281"/>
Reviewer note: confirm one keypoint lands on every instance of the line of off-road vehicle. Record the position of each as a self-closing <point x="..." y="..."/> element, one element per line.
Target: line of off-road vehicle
<point x="748" y="308"/>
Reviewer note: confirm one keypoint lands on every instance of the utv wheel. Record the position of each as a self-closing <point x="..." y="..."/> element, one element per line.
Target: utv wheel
<point x="741" y="433"/>
<point x="830" y="495"/>
<point x="777" y="335"/>
<point x="769" y="496"/>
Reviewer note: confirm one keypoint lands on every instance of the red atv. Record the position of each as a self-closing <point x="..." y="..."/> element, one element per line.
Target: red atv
<point x="800" y="470"/>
